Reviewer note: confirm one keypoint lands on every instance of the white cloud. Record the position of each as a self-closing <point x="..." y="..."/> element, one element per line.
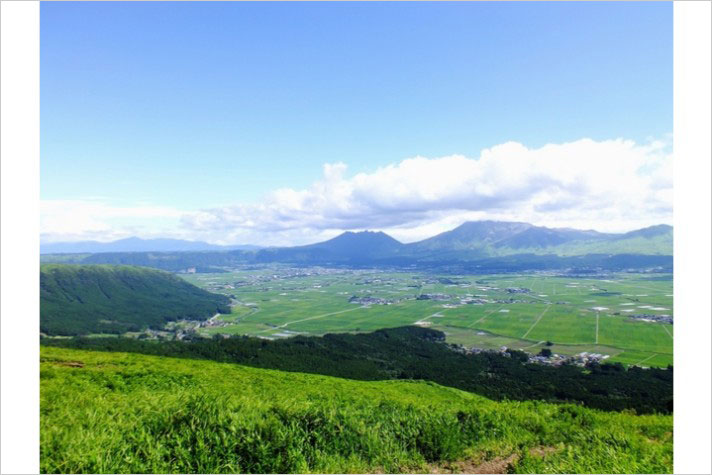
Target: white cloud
<point x="613" y="185"/>
<point x="95" y="219"/>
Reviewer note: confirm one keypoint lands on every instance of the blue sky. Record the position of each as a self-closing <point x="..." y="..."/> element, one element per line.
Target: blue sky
<point x="201" y="110"/>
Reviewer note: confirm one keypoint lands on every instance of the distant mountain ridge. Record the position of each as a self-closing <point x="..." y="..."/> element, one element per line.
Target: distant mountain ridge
<point x="495" y="245"/>
<point x="135" y="244"/>
<point x="472" y="234"/>
<point x="346" y="247"/>
<point x="476" y="240"/>
<point x="650" y="231"/>
<point x="497" y="238"/>
<point x="491" y="238"/>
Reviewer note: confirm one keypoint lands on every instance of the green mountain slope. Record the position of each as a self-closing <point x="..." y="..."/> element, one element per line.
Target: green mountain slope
<point x="81" y="299"/>
<point x="494" y="238"/>
<point x="472" y="235"/>
<point x="660" y="245"/>
<point x="130" y="413"/>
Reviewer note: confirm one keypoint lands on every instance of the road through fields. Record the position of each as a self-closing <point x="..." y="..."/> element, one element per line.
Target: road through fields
<point x="537" y="321"/>
<point x="312" y="318"/>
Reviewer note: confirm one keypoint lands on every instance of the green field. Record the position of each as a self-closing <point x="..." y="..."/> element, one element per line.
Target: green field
<point x="576" y="314"/>
<point x="129" y="413"/>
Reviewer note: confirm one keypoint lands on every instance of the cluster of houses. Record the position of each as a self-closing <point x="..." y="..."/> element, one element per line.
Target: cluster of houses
<point x="510" y="300"/>
<point x="555" y="359"/>
<point x="581" y="359"/>
<point x="584" y="358"/>
<point x="282" y="274"/>
<point x="517" y="290"/>
<point x="468" y="300"/>
<point x="438" y="297"/>
<point x="368" y="300"/>
<point x="647" y="317"/>
<point x="181" y="329"/>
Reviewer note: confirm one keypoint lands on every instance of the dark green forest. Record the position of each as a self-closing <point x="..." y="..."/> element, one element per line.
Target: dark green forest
<point x="83" y="299"/>
<point x="420" y="353"/>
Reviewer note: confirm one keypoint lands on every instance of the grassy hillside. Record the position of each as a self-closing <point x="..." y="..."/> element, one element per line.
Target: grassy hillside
<point x="419" y="353"/>
<point x="81" y="299"/>
<point x="130" y="413"/>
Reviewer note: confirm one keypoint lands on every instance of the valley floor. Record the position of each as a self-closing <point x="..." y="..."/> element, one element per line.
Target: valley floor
<point x="609" y="315"/>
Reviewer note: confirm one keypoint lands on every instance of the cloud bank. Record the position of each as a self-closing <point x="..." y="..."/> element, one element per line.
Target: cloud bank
<point x="94" y="219"/>
<point x="613" y="185"/>
<point x="609" y="185"/>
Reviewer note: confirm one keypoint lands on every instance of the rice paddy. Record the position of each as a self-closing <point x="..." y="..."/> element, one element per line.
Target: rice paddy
<point x="595" y="314"/>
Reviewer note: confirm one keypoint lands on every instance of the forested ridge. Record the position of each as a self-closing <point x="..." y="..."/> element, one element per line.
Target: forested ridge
<point x="83" y="299"/>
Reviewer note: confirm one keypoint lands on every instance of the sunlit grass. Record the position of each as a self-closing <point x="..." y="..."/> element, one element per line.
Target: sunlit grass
<point x="119" y="413"/>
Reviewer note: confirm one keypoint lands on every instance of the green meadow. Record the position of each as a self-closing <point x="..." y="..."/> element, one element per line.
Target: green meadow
<point x="575" y="314"/>
<point x="129" y="413"/>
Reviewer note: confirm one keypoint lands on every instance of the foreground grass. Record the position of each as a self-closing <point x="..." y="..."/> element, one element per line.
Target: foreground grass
<point x="118" y="412"/>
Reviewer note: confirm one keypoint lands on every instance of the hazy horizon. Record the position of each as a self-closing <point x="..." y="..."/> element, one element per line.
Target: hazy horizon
<point x="252" y="245"/>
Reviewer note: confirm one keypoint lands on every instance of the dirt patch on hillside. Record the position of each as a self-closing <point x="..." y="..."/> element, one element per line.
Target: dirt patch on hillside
<point x="71" y="364"/>
<point x="542" y="451"/>
<point x="496" y="465"/>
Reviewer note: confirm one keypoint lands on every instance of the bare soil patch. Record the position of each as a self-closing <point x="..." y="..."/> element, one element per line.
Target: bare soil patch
<point x="71" y="364"/>
<point x="495" y="466"/>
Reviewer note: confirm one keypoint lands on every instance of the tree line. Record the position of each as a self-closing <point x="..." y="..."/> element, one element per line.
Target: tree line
<point x="421" y="353"/>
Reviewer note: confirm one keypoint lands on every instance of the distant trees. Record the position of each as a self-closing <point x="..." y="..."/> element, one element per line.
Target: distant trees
<point x="545" y="352"/>
<point x="518" y="355"/>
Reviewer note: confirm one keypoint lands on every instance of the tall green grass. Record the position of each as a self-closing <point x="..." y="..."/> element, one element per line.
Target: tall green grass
<point x="119" y="413"/>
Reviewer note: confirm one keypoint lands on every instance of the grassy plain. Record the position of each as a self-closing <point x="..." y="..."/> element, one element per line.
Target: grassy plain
<point x="130" y="413"/>
<point x="576" y="314"/>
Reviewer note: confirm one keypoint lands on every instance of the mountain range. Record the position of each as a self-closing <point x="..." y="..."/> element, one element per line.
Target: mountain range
<point x="497" y="238"/>
<point x="494" y="245"/>
<point x="482" y="239"/>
